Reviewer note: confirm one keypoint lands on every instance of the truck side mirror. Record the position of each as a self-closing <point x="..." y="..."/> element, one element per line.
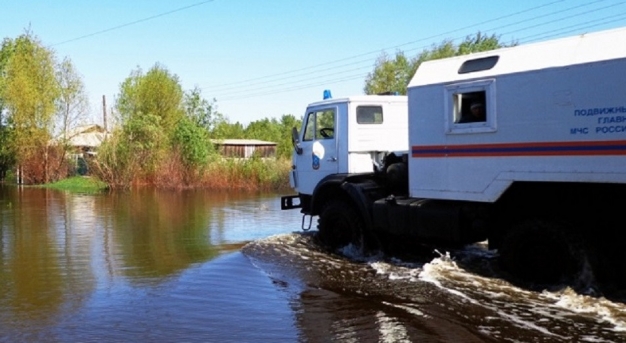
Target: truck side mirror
<point x="295" y="140"/>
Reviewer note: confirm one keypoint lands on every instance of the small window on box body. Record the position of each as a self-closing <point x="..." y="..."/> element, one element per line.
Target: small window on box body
<point x="369" y="114"/>
<point x="470" y="107"/>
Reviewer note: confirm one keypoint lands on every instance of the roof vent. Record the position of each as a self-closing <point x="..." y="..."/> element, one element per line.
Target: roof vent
<point x="479" y="64"/>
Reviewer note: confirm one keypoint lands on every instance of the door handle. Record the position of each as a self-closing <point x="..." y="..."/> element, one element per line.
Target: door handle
<point x="332" y="159"/>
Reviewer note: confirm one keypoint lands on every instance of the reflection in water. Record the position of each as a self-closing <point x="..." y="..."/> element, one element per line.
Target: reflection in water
<point x="159" y="233"/>
<point x="75" y="267"/>
<point x="41" y="255"/>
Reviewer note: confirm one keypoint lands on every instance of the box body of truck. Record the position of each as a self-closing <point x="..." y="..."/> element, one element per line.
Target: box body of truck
<point x="555" y="112"/>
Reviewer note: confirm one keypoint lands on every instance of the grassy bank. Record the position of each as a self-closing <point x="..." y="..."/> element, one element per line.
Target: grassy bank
<point x="251" y="175"/>
<point x="78" y="184"/>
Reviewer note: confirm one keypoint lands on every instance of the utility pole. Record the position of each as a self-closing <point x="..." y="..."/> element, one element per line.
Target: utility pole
<point x="104" y="112"/>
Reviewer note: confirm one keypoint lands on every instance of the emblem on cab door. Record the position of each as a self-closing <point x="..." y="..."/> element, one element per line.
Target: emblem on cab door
<point x="317" y="155"/>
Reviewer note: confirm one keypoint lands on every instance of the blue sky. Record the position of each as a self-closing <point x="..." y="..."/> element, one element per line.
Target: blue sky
<point x="263" y="59"/>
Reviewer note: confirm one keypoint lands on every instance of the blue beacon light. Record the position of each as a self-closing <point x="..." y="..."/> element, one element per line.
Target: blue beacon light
<point x="327" y="94"/>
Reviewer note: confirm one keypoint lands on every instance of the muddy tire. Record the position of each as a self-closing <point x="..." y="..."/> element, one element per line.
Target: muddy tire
<point x="339" y="225"/>
<point x="542" y="252"/>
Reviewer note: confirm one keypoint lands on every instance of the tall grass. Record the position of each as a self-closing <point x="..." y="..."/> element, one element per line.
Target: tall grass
<point x="254" y="174"/>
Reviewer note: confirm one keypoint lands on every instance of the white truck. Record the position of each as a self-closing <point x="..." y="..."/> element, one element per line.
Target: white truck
<point x="540" y="173"/>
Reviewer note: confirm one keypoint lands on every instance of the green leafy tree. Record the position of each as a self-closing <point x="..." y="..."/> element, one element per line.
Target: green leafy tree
<point x="146" y="142"/>
<point x="264" y="129"/>
<point x="191" y="137"/>
<point x="199" y="110"/>
<point x="157" y="93"/>
<point x="148" y="103"/>
<point x="7" y="155"/>
<point x="193" y="143"/>
<point x="389" y="75"/>
<point x="150" y="107"/>
<point x="274" y="130"/>
<point x="28" y="93"/>
<point x="134" y="151"/>
<point x="224" y="129"/>
<point x="285" y="146"/>
<point x="479" y="42"/>
<point x="394" y="75"/>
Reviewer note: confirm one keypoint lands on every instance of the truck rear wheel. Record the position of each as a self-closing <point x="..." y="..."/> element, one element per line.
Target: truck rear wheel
<point x="339" y="225"/>
<point x="542" y="252"/>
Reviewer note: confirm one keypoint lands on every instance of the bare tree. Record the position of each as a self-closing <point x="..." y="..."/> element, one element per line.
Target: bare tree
<point x="72" y="104"/>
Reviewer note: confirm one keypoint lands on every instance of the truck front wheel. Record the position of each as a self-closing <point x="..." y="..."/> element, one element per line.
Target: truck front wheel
<point x="339" y="225"/>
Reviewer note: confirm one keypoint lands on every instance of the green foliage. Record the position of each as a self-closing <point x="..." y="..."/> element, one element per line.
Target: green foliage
<point x="199" y="110"/>
<point x="28" y="92"/>
<point x="144" y="140"/>
<point x="7" y="155"/>
<point x="135" y="151"/>
<point x="273" y="130"/>
<point x="6" y="51"/>
<point x="224" y="129"/>
<point x="393" y="75"/>
<point x="389" y="75"/>
<point x="264" y="129"/>
<point x="203" y="114"/>
<point x="479" y="42"/>
<point x="193" y="143"/>
<point x="156" y="93"/>
<point x="150" y="107"/>
<point x="115" y="164"/>
<point x="285" y="146"/>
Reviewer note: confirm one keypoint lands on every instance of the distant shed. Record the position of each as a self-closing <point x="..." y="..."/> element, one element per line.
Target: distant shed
<point x="245" y="148"/>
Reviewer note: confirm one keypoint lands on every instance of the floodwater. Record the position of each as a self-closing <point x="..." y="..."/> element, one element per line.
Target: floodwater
<point x="156" y="266"/>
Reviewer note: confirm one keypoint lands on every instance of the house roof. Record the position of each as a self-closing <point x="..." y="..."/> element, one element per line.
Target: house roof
<point x="85" y="135"/>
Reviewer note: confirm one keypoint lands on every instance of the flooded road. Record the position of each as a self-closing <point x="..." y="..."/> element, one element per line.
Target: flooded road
<point x="199" y="267"/>
<point x="385" y="300"/>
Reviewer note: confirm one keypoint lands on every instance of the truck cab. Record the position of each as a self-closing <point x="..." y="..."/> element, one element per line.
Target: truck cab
<point x="345" y="136"/>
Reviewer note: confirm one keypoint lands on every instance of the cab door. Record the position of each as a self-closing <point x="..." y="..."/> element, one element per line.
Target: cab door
<point x="319" y="156"/>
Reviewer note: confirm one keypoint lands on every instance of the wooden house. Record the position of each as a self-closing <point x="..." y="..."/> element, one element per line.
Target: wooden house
<point x="245" y="148"/>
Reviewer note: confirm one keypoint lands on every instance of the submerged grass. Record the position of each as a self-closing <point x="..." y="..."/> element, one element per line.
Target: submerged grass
<point x="78" y="184"/>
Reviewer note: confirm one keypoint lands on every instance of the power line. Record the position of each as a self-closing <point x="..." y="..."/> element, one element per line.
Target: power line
<point x="133" y="23"/>
<point x="361" y="74"/>
<point x="277" y="90"/>
<point x="250" y="91"/>
<point x="574" y="28"/>
<point x="563" y="18"/>
<point x="327" y="71"/>
<point x="248" y="81"/>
